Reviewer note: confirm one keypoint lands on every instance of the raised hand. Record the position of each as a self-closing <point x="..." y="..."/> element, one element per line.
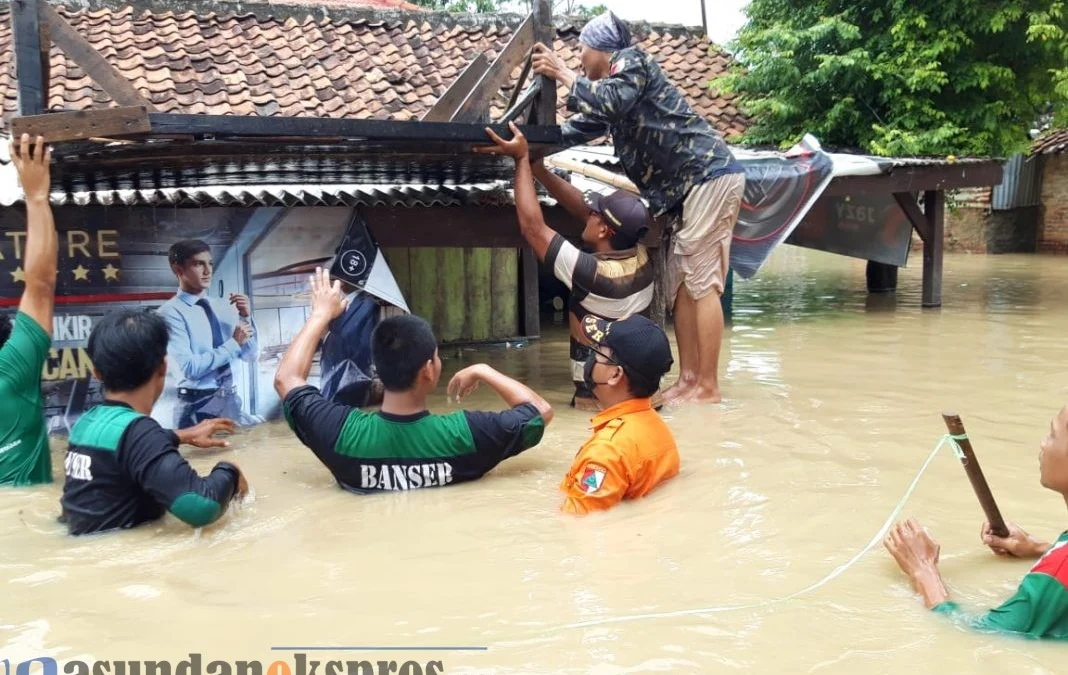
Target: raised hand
<point x="327" y="300"/>
<point x="465" y="382"/>
<point x="33" y="164"/>
<point x="517" y="148"/>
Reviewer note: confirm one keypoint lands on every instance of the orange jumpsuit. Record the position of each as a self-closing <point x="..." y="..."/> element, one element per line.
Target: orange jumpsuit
<point x="631" y="451"/>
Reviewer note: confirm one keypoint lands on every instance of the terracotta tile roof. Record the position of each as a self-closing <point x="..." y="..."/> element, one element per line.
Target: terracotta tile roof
<point x="1052" y="143"/>
<point x="356" y="64"/>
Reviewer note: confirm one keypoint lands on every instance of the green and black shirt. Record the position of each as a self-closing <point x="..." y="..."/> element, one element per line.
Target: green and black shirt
<point x="123" y="469"/>
<point x="378" y="452"/>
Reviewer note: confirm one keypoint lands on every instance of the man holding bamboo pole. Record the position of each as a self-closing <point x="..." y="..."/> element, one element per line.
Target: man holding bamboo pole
<point x="681" y="166"/>
<point x="1039" y="608"/>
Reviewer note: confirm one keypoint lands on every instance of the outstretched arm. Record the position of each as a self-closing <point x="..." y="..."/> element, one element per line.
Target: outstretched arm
<point x="327" y="303"/>
<point x="607" y="100"/>
<point x="42" y="243"/>
<point x="513" y="392"/>
<point x="531" y="220"/>
<point x="569" y="196"/>
<point x="1038" y="607"/>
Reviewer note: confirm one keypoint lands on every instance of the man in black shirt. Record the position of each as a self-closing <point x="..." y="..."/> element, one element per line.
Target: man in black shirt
<point x="404" y="446"/>
<point x="122" y="468"/>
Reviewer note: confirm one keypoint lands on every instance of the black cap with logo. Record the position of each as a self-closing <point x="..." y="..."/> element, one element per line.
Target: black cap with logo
<point x="623" y="211"/>
<point x="636" y="342"/>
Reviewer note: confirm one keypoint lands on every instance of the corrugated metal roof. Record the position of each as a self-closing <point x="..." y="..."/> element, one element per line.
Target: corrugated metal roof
<point x="1021" y="184"/>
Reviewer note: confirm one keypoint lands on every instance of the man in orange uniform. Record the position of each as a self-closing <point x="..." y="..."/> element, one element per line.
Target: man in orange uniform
<point x="632" y="450"/>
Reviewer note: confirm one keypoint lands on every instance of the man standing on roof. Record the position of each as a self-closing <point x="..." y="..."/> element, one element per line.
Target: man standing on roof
<point x="679" y="163"/>
<point x="614" y="280"/>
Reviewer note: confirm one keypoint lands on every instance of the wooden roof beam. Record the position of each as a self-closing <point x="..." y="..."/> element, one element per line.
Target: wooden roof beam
<point x="96" y="66"/>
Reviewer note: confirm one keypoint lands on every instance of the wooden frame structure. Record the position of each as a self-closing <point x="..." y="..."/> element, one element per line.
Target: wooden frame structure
<point x="135" y="133"/>
<point x="459" y="116"/>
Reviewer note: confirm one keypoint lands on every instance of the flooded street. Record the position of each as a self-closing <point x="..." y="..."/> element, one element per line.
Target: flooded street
<point x="832" y="404"/>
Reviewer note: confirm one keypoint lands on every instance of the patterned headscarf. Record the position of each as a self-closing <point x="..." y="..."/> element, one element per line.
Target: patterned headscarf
<point x="606" y="33"/>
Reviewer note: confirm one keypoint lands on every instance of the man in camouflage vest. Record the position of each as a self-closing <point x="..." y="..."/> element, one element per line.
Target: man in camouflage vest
<point x="682" y="167"/>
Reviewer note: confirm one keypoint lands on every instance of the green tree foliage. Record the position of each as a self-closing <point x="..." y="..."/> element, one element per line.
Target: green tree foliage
<point x="900" y="77"/>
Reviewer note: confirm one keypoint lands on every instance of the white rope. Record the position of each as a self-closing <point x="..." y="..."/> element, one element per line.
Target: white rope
<point x="949" y="439"/>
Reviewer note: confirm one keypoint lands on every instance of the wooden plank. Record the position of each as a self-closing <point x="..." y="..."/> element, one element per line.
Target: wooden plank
<point x="451" y="285"/>
<point x="423" y="300"/>
<point x="95" y="65"/>
<point x="907" y="202"/>
<point x="661" y="304"/>
<point x="26" y="32"/>
<point x="522" y="81"/>
<point x="45" y="31"/>
<point x="399" y="265"/>
<point x="528" y="293"/>
<point x="934" y="207"/>
<point x="83" y="124"/>
<point x="450" y="101"/>
<point x="916" y="178"/>
<point x="525" y="101"/>
<point x="544" y="111"/>
<point x="504" y="292"/>
<point x="478" y="270"/>
<point x="225" y="126"/>
<point x="476" y="105"/>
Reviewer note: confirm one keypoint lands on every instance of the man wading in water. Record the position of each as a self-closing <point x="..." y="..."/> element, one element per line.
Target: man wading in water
<point x="632" y="450"/>
<point x="403" y="446"/>
<point x="613" y="282"/>
<point x="24" y="454"/>
<point x="1039" y="609"/>
<point x="679" y="162"/>
<point x="123" y="469"/>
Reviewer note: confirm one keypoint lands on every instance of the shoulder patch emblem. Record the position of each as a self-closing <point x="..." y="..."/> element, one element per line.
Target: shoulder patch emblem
<point x="592" y="478"/>
<point x="617" y="66"/>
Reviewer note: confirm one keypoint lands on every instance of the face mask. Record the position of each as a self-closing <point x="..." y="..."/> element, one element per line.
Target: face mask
<point x="587" y="372"/>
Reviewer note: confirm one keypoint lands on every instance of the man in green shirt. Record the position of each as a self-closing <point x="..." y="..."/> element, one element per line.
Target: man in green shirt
<point x="402" y="446"/>
<point x="24" y="454"/>
<point x="1039" y="608"/>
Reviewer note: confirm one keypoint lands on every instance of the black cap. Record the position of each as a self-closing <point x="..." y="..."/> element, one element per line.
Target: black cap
<point x="636" y="342"/>
<point x="623" y="211"/>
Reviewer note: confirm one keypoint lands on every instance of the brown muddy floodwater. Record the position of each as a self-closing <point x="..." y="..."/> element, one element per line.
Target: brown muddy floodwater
<point x="832" y="406"/>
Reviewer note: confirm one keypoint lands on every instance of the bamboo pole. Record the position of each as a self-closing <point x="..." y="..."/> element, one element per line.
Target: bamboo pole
<point x="595" y="172"/>
<point x="975" y="475"/>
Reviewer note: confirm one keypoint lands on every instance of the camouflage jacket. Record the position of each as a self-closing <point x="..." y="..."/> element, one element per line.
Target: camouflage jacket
<point x="666" y="148"/>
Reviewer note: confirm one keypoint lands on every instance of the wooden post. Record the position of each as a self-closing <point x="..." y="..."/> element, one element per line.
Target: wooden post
<point x="934" y="203"/>
<point x="529" y="310"/>
<point x="975" y="475"/>
<point x="44" y="30"/>
<point x="29" y="75"/>
<point x="544" y="111"/>
<point x="658" y="308"/>
<point x="882" y="278"/>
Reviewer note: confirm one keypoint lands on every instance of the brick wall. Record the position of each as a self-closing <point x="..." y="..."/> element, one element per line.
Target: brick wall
<point x="1053" y="228"/>
<point x="975" y="229"/>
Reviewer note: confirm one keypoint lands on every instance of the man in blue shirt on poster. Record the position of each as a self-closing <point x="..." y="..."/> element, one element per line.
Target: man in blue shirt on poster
<point x="208" y="336"/>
